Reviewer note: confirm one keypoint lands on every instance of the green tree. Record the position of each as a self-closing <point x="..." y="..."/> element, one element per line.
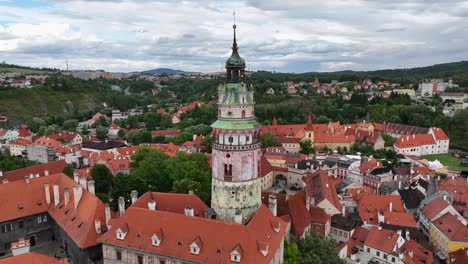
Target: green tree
<point x="270" y="140"/>
<point x="389" y="140"/>
<point x="121" y="133"/>
<point x="125" y="183"/>
<point x="101" y="132"/>
<point x="69" y="170"/>
<point x="70" y="124"/>
<point x="149" y="165"/>
<point x="316" y="250"/>
<point x="306" y="147"/>
<point x="35" y="123"/>
<point x="103" y="178"/>
<point x="291" y="253"/>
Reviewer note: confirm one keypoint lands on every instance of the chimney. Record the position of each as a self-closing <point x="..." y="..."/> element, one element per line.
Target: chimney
<point x="75" y="177"/>
<point x="308" y="202"/>
<point x="399" y="185"/>
<point x="190" y="192"/>
<point x="379" y="228"/>
<point x="272" y="204"/>
<point x="56" y="194"/>
<point x="134" y="195"/>
<point x="82" y="182"/>
<point x="66" y="196"/>
<point x="410" y="253"/>
<point x="77" y="193"/>
<point x="97" y="226"/>
<point x="390" y="207"/>
<point x="152" y="205"/>
<point x="26" y="178"/>
<point x="19" y="247"/>
<point x="188" y="211"/>
<point x="91" y="187"/>
<point x="107" y="212"/>
<point x="47" y="192"/>
<point x="407" y="234"/>
<point x="238" y="217"/>
<point x="1" y="173"/>
<point x="46" y="173"/>
<point x="121" y="205"/>
<point x="343" y="211"/>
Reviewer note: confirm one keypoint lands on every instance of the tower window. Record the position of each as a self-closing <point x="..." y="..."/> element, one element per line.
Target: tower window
<point x="231" y="139"/>
<point x="243" y="111"/>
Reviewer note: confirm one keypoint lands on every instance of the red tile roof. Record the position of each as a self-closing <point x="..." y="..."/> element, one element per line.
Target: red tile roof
<point x="24" y="132"/>
<point x="415" y="141"/>
<point x="49" y="142"/>
<point x="52" y="168"/>
<point x="180" y="231"/>
<point x="357" y="239"/>
<point x="433" y="208"/>
<point x="20" y="199"/>
<point x="321" y="187"/>
<point x="421" y="255"/>
<point x="458" y="188"/>
<point x="459" y="257"/>
<point x="33" y="258"/>
<point x="300" y="217"/>
<point x="370" y="204"/>
<point x="170" y="149"/>
<point x="383" y="240"/>
<point x="119" y="164"/>
<point x="172" y="202"/>
<point x="400" y="219"/>
<point x="453" y="228"/>
<point x="265" y="166"/>
<point x="439" y="134"/>
<point x="370" y="164"/>
<point x="318" y="215"/>
<point x="128" y="151"/>
<point x="281" y="201"/>
<point x="169" y="132"/>
<point x="66" y="136"/>
<point x="20" y="142"/>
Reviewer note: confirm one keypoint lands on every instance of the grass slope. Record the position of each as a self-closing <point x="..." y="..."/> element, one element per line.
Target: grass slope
<point x="446" y="160"/>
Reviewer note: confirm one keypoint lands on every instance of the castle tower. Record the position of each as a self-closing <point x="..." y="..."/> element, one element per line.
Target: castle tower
<point x="236" y="186"/>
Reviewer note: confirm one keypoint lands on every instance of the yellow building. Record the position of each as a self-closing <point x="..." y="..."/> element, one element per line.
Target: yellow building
<point x="448" y="234"/>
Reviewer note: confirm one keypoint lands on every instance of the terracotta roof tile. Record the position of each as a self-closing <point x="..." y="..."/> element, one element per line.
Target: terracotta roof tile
<point x="415" y="140"/>
<point x="453" y="228"/>
<point x="383" y="240"/>
<point x="300" y="217"/>
<point x="33" y="258"/>
<point x="51" y="168"/>
<point x="321" y="187"/>
<point x="20" y="199"/>
<point x="180" y="230"/>
<point x="433" y="208"/>
<point x="172" y="202"/>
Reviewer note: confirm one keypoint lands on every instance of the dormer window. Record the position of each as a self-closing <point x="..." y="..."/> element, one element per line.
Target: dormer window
<point x="121" y="232"/>
<point x="236" y="254"/>
<point x="196" y="246"/>
<point x="235" y="258"/>
<point x="156" y="240"/>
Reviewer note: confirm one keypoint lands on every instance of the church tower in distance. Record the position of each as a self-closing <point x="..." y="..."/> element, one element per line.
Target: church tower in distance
<point x="236" y="186"/>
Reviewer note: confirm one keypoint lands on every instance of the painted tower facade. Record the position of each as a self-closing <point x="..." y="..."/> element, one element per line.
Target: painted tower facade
<point x="236" y="186"/>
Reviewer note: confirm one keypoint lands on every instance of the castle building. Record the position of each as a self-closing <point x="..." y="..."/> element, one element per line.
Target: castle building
<point x="236" y="186"/>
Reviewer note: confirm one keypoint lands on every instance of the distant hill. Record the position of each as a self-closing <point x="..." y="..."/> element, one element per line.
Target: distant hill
<point x="163" y="71"/>
<point x="458" y="71"/>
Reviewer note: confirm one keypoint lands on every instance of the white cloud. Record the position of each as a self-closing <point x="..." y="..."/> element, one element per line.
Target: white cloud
<point x="125" y="35"/>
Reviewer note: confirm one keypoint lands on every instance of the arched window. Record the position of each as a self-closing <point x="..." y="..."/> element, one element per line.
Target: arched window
<point x="243" y="112"/>
<point x="243" y="99"/>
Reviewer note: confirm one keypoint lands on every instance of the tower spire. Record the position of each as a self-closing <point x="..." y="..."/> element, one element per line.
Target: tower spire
<point x="234" y="43"/>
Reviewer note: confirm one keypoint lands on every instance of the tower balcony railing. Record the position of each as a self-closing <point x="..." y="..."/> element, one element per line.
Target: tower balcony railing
<point x="236" y="147"/>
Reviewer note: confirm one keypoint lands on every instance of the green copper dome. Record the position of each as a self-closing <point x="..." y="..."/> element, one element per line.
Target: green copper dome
<point x="235" y="60"/>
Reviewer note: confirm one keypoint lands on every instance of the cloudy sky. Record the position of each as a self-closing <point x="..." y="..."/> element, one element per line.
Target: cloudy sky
<point x="278" y="35"/>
